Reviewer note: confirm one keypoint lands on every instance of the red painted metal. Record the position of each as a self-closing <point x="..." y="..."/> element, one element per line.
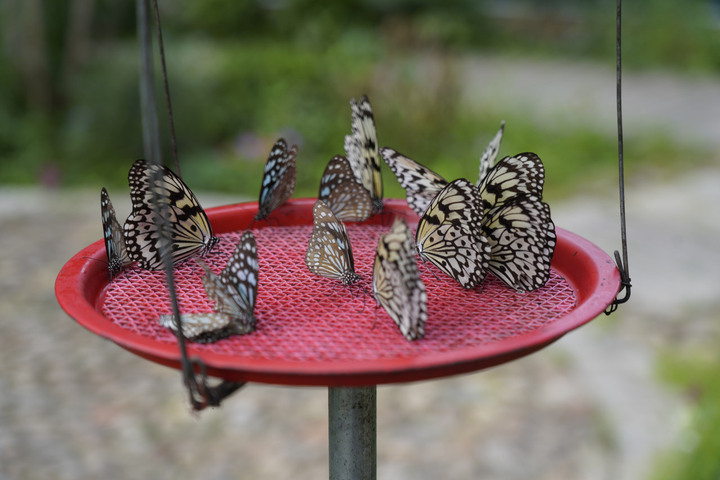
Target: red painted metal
<point x="315" y="331"/>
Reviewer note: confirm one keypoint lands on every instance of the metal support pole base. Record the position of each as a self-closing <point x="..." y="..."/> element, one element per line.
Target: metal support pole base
<point x="352" y="413"/>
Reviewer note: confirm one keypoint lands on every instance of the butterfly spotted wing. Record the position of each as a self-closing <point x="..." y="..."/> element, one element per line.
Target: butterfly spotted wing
<point x="517" y="222"/>
<point x="487" y="159"/>
<point x="420" y="183"/>
<point x="234" y="292"/>
<point x="361" y="149"/>
<point x="114" y="240"/>
<point x="329" y="253"/>
<point x="278" y="183"/>
<point x="190" y="228"/>
<point x="206" y="327"/>
<point x="522" y="239"/>
<point x="348" y="200"/>
<point x="448" y="234"/>
<point x="396" y="281"/>
<point x="513" y="176"/>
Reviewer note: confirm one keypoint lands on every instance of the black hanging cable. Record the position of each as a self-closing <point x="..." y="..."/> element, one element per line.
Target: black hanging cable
<point x="171" y="122"/>
<point x="622" y="263"/>
<point x="200" y="393"/>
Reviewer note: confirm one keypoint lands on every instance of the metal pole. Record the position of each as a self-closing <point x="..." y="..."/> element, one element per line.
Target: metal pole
<point x="352" y="413"/>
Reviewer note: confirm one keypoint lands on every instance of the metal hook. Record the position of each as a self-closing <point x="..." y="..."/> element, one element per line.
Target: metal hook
<point x="625" y="284"/>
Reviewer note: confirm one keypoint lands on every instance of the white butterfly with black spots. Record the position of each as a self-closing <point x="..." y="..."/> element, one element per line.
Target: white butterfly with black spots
<point x="361" y="150"/>
<point x="278" y="183"/>
<point x="113" y="234"/>
<point x="349" y="201"/>
<point x="190" y="228"/>
<point x="396" y="281"/>
<point x="448" y="234"/>
<point x="515" y="220"/>
<point x="329" y="252"/>
<point x="234" y="292"/>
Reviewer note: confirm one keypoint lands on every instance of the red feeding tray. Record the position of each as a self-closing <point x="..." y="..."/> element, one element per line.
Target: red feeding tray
<point x="316" y="331"/>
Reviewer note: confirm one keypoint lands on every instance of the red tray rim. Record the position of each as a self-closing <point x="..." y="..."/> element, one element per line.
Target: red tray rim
<point x="590" y="271"/>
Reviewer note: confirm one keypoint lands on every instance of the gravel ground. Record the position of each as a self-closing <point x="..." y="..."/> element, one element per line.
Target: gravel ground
<point x="73" y="406"/>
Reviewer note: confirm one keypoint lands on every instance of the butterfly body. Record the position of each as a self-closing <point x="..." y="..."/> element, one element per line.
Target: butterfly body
<point x="278" y="183"/>
<point x="362" y="151"/>
<point x="329" y="252"/>
<point x="190" y="228"/>
<point x="396" y="281"/>
<point x="113" y="234"/>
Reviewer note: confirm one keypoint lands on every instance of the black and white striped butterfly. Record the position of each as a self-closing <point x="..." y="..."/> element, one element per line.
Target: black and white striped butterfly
<point x="448" y="234"/>
<point x="278" y="183"/>
<point x="329" y="252"/>
<point x="422" y="184"/>
<point x="234" y="292"/>
<point x="113" y="233"/>
<point x="190" y="228"/>
<point x="396" y="281"/>
<point x="517" y="223"/>
<point x="361" y="149"/>
<point x="349" y="201"/>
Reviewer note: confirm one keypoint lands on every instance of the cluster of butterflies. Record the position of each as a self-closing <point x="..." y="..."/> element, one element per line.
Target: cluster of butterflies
<point x="500" y="225"/>
<point x="157" y="193"/>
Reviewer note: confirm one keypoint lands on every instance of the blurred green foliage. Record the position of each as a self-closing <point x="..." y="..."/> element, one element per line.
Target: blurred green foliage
<point x="243" y="73"/>
<point x="694" y="371"/>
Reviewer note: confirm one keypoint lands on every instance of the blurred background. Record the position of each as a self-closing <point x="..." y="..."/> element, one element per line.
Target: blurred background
<point x="634" y="395"/>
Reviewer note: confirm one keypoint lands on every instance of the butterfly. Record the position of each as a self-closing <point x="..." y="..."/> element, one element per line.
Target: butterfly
<point x="329" y="253"/>
<point x="234" y="292"/>
<point x="190" y="228"/>
<point x="448" y="234"/>
<point x="348" y="200"/>
<point x="396" y="281"/>
<point x="114" y="240"/>
<point x="361" y="149"/>
<point x="278" y="181"/>
<point x="422" y="184"/>
<point x="517" y="223"/>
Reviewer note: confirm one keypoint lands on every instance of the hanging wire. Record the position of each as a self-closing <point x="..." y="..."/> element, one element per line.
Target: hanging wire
<point x="622" y="263"/>
<point x="201" y="395"/>
<point x="171" y="122"/>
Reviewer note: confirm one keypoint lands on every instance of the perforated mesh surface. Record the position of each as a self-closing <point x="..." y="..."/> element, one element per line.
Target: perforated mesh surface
<point x="315" y="331"/>
<point x="302" y="317"/>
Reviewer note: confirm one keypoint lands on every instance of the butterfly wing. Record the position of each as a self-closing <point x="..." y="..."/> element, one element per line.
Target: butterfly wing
<point x="487" y="159"/>
<point x="396" y="281"/>
<point x="519" y="175"/>
<point x="202" y="327"/>
<point x="278" y="183"/>
<point x="348" y="200"/>
<point x="522" y="239"/>
<point x="420" y="183"/>
<point x="113" y="234"/>
<point x="329" y="253"/>
<point x="240" y="277"/>
<point x="190" y="228"/>
<point x="448" y="234"/>
<point x="361" y="148"/>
